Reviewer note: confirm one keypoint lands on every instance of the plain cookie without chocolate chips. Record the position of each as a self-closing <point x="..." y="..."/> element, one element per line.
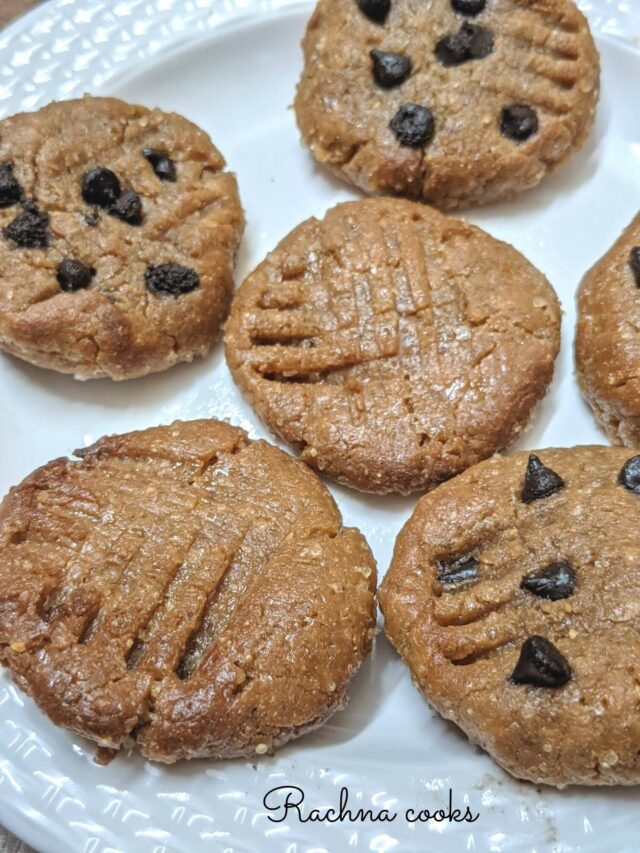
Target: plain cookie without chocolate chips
<point x="393" y="346"/>
<point x="183" y="591"/>
<point x="453" y="102"/>
<point x="118" y="235"/>
<point x="514" y="598"/>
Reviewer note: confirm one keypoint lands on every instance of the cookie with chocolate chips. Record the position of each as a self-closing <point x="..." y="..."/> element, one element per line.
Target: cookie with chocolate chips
<point x="183" y="591"/>
<point x="514" y="598"/>
<point x="608" y="338"/>
<point x="452" y="102"/>
<point x="118" y="234"/>
<point x="392" y="345"/>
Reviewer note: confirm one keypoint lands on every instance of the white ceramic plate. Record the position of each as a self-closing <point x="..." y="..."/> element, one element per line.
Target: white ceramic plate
<point x="231" y="66"/>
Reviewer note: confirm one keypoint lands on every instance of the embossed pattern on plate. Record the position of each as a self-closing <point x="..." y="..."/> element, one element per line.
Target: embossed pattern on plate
<point x="231" y="65"/>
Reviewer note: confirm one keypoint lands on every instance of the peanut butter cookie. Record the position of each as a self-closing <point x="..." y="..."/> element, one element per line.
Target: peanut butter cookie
<point x="118" y="235"/>
<point x="608" y="338"/>
<point x="183" y="590"/>
<point x="392" y="345"/>
<point x="514" y="598"/>
<point x="454" y="102"/>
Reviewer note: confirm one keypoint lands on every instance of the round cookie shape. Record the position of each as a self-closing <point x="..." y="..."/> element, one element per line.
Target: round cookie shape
<point x="183" y="591"/>
<point x="534" y="650"/>
<point x="393" y="346"/>
<point x="608" y="338"/>
<point x="510" y="89"/>
<point x="96" y="196"/>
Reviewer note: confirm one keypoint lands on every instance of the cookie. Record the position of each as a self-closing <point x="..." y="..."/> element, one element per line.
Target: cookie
<point x="608" y="338"/>
<point x="118" y="234"/>
<point x="183" y="591"/>
<point x="452" y="102"/>
<point x="514" y="597"/>
<point x="393" y="346"/>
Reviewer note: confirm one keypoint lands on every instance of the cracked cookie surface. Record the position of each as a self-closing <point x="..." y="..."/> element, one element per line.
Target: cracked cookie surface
<point x="184" y="591"/>
<point x="517" y="609"/>
<point x="608" y="338"/>
<point x="392" y="345"/>
<point x="509" y="89"/>
<point x="94" y="193"/>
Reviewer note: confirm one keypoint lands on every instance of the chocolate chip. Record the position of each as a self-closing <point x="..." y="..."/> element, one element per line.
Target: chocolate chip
<point x="172" y="279"/>
<point x="128" y="208"/>
<point x="469" y="7"/>
<point x="413" y="125"/>
<point x="541" y="664"/>
<point x="539" y="481"/>
<point x="10" y="189"/>
<point x="74" y="275"/>
<point x="470" y="42"/>
<point x="29" y="229"/>
<point x="462" y="570"/>
<point x="390" y="69"/>
<point x="101" y="187"/>
<point x="634" y="263"/>
<point x="375" y="10"/>
<point x="629" y="476"/>
<point x="556" y="581"/>
<point x="518" y="122"/>
<point x="162" y="165"/>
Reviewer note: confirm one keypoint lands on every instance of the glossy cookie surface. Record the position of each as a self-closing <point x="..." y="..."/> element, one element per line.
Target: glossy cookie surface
<point x="514" y="598"/>
<point x="183" y="591"/>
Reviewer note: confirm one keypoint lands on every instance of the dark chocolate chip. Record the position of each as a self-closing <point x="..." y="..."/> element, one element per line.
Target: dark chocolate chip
<point x="101" y="187"/>
<point x="390" y="69"/>
<point x="10" y="189"/>
<point x="375" y="10"/>
<point x="74" y="275"/>
<point x="92" y="218"/>
<point x="539" y="481"/>
<point x="634" y="263"/>
<point x="413" y="125"/>
<point x="556" y="581"/>
<point x="162" y="165"/>
<point x="470" y="42"/>
<point x="128" y="208"/>
<point x="462" y="570"/>
<point x="171" y="279"/>
<point x="518" y="122"/>
<point x="30" y="227"/>
<point x="469" y="7"/>
<point x="629" y="476"/>
<point x="541" y="664"/>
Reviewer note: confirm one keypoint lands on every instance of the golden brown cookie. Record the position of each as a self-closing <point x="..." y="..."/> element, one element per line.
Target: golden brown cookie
<point x="183" y="590"/>
<point x="514" y="598"/>
<point x="392" y="345"/>
<point x="608" y="338"/>
<point x="454" y="102"/>
<point x="118" y="235"/>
